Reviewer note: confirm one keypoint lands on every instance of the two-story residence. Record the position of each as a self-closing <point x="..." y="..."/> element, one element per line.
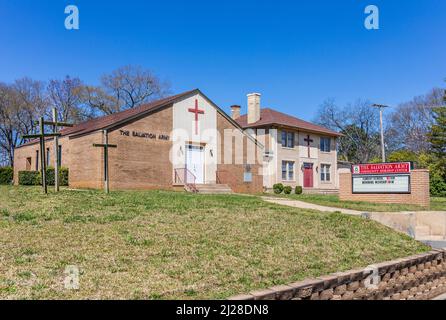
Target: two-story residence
<point x="297" y="152"/>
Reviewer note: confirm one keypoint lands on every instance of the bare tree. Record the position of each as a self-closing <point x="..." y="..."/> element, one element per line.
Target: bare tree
<point x="411" y="121"/>
<point x="31" y="103"/>
<point x="9" y="124"/>
<point x="66" y="96"/>
<point x="125" y="88"/>
<point x="98" y="101"/>
<point x="358" y="122"/>
<point x="20" y="105"/>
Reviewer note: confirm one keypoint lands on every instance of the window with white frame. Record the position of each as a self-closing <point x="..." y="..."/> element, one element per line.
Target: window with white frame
<point x="287" y="139"/>
<point x="325" y="144"/>
<point x="325" y="172"/>
<point x="287" y="170"/>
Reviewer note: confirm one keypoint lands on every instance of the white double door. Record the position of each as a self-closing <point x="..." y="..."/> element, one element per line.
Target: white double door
<point x="195" y="162"/>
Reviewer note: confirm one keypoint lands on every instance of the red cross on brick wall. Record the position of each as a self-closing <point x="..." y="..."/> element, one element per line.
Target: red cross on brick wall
<point x="197" y="112"/>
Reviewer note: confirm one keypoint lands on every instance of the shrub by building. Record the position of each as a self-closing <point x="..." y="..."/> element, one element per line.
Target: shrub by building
<point x="6" y="175"/>
<point x="298" y="190"/>
<point x="287" y="190"/>
<point x="278" y="188"/>
<point x="33" y="178"/>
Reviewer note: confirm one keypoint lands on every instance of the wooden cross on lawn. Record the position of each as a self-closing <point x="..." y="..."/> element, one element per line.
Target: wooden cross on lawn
<point x="56" y="124"/>
<point x="42" y="135"/>
<point x="106" y="146"/>
<point x="197" y="112"/>
<point x="308" y="141"/>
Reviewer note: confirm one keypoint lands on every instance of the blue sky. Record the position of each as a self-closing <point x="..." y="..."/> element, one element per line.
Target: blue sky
<point x="296" y="53"/>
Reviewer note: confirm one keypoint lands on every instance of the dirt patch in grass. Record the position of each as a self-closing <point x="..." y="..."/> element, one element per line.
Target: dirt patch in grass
<point x="168" y="245"/>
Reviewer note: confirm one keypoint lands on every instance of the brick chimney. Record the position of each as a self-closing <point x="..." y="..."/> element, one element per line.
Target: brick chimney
<point x="235" y="112"/>
<point x="253" y="107"/>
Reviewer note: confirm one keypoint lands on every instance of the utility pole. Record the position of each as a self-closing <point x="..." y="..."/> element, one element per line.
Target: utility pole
<point x="381" y="108"/>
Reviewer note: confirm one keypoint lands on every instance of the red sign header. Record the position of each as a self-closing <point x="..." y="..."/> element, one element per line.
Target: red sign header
<point x="381" y="168"/>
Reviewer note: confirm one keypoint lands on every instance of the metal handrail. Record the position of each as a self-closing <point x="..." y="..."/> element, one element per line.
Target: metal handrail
<point x="184" y="179"/>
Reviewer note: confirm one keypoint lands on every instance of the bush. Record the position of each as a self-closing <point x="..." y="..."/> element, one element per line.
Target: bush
<point x="438" y="187"/>
<point x="29" y="178"/>
<point x="33" y="178"/>
<point x="63" y="176"/>
<point x="6" y="175"/>
<point x="278" y="188"/>
<point x="298" y="190"/>
<point x="287" y="190"/>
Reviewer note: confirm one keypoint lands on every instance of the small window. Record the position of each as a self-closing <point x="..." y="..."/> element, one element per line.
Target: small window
<point x="325" y="144"/>
<point x="287" y="171"/>
<point x="28" y="163"/>
<point x="37" y="160"/>
<point x="325" y="172"/>
<point x="59" y="156"/>
<point x="287" y="139"/>
<point x="247" y="174"/>
<point x="48" y="157"/>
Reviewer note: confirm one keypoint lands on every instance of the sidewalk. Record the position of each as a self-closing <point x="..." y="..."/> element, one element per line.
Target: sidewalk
<point x="426" y="226"/>
<point x="310" y="206"/>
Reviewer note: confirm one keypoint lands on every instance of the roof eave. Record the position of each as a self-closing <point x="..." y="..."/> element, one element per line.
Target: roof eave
<point x="274" y="124"/>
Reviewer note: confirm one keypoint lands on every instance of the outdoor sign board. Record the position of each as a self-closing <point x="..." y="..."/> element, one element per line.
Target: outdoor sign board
<point x="381" y="178"/>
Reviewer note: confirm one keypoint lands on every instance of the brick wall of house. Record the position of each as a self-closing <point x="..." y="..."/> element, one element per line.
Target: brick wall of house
<point x="418" y="277"/>
<point x="142" y="163"/>
<point x="419" y="191"/>
<point x="30" y="151"/>
<point x="86" y="162"/>
<point x="233" y="173"/>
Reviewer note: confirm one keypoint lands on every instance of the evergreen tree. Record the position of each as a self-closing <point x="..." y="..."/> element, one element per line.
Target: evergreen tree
<point x="437" y="138"/>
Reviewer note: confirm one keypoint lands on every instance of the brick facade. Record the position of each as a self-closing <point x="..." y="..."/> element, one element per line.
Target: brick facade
<point x="142" y="163"/>
<point x="145" y="162"/>
<point x="419" y="277"/>
<point x="419" y="191"/>
<point x="233" y="174"/>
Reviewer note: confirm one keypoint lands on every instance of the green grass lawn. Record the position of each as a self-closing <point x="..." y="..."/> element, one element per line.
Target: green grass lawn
<point x="437" y="204"/>
<point x="167" y="245"/>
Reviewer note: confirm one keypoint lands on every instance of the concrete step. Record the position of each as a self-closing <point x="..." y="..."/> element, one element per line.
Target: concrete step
<point x="213" y="189"/>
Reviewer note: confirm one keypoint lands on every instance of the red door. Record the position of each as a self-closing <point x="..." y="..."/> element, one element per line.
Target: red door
<point x="308" y="175"/>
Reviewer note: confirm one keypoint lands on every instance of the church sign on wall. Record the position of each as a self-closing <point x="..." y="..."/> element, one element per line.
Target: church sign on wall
<point x="381" y="178"/>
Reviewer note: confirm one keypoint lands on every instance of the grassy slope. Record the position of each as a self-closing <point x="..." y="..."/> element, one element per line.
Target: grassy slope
<point x="437" y="204"/>
<point x="145" y="245"/>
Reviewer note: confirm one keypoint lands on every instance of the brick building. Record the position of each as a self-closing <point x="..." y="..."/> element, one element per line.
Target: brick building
<point x="182" y="141"/>
<point x="297" y="153"/>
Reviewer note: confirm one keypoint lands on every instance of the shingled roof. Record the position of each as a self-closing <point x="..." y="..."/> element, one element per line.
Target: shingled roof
<point x="270" y="117"/>
<point x="107" y="121"/>
<point x="113" y="119"/>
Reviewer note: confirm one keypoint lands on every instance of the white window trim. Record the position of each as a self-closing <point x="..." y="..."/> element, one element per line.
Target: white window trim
<point x="294" y="140"/>
<point x="287" y="171"/>
<point x="329" y="171"/>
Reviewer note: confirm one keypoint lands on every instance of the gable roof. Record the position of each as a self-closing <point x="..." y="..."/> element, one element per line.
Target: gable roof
<point x="116" y="119"/>
<point x="270" y="117"/>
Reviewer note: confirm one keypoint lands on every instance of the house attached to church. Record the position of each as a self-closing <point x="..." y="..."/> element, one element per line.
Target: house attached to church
<point x="182" y="141"/>
<point x="297" y="153"/>
<point x="187" y="141"/>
